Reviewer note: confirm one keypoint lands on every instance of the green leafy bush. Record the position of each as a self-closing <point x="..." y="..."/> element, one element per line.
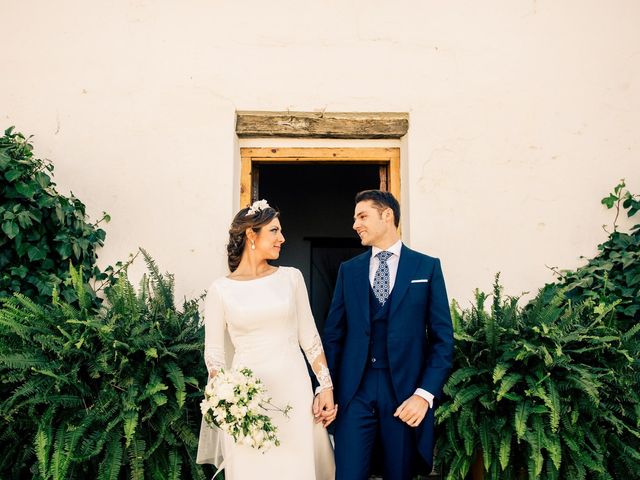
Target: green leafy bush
<point x="110" y="394"/>
<point x="612" y="276"/>
<point x="551" y="390"/>
<point x="42" y="231"/>
<point x="545" y="391"/>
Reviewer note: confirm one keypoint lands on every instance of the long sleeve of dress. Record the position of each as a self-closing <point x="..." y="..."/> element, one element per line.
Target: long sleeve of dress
<point x="214" y="328"/>
<point x="308" y="336"/>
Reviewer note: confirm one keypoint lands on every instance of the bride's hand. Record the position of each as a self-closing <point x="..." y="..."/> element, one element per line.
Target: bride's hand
<point x="324" y="410"/>
<point x="329" y="416"/>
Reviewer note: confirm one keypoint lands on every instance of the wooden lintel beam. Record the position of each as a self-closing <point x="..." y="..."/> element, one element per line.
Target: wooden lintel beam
<point x="322" y="124"/>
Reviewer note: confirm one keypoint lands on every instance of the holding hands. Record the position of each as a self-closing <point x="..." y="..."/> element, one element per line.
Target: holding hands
<point x="412" y="411"/>
<point x="324" y="410"/>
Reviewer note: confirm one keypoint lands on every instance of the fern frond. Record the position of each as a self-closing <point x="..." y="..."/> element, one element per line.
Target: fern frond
<point x="520" y="419"/>
<point x="41" y="446"/>
<point x="504" y="450"/>
<point x="485" y="442"/>
<point x="507" y="383"/>
<point x="162" y="287"/>
<point x="112" y="462"/>
<point x="458" y="376"/>
<point x="499" y="371"/>
<point x="23" y="361"/>
<point x="129" y="424"/>
<point x="136" y="458"/>
<point x="177" y="378"/>
<point x="175" y="465"/>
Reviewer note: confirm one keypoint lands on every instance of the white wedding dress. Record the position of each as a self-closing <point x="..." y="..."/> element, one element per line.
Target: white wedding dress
<point x="268" y="320"/>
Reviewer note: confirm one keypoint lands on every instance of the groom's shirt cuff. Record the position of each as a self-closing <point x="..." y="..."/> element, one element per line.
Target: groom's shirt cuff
<point x="426" y="395"/>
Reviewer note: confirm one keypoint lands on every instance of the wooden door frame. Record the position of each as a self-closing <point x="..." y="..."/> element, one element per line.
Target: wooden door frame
<point x="389" y="156"/>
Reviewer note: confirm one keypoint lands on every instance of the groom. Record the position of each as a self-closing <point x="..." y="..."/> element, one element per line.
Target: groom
<point x="388" y="339"/>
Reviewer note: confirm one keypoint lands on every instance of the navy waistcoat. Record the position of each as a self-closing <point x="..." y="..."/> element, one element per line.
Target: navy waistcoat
<point x="379" y="316"/>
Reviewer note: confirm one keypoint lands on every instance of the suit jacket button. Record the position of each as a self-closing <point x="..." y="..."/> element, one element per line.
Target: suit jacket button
<point x="373" y="359"/>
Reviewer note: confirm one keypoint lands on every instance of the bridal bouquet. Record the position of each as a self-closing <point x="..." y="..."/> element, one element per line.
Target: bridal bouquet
<point x="235" y="401"/>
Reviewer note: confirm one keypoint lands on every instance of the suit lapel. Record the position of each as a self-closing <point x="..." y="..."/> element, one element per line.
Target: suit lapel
<point x="361" y="284"/>
<point x="406" y="268"/>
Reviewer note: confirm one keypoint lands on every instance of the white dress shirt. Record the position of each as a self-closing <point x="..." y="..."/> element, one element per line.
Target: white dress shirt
<point x="393" y="262"/>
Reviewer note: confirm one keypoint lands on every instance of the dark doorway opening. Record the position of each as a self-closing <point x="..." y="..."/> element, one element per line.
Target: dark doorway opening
<point x="316" y="205"/>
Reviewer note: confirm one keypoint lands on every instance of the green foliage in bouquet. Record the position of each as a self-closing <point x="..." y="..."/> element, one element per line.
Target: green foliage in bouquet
<point x="41" y="230"/>
<point x="541" y="392"/>
<point x="111" y="394"/>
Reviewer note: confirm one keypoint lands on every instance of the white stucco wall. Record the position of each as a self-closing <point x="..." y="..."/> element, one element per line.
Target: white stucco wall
<point x="523" y="115"/>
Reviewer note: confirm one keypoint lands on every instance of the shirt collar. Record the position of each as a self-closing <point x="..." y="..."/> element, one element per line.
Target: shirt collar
<point x="394" y="249"/>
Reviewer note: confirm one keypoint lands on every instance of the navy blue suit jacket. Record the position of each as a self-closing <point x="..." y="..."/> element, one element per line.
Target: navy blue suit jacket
<point x="419" y="335"/>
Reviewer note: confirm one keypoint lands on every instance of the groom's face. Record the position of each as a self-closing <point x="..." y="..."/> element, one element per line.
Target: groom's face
<point x="369" y="223"/>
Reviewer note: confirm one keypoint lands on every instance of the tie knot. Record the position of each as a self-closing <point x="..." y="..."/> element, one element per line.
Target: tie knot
<point x="383" y="256"/>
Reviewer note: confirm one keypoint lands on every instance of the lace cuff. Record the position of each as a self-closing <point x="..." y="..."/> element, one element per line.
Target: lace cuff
<point x="214" y="359"/>
<point x="315" y="357"/>
<point x="324" y="378"/>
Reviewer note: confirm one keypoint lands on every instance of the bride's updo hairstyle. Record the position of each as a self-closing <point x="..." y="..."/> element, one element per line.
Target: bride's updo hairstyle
<point x="256" y="216"/>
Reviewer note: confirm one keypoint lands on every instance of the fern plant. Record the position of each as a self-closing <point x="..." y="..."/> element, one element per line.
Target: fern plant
<point x="541" y="392"/>
<point x="111" y="394"/>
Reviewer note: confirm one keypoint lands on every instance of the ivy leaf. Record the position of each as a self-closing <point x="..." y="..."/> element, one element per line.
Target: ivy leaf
<point x="24" y="219"/>
<point x="633" y="279"/>
<point x="11" y="229"/>
<point x="634" y="208"/>
<point x="4" y="159"/>
<point x="64" y="250"/>
<point x="43" y="179"/>
<point x="20" y="271"/>
<point x="45" y="201"/>
<point x="631" y="310"/>
<point x="609" y="201"/>
<point x="36" y="254"/>
<point x="59" y="214"/>
<point x="12" y="175"/>
<point x="25" y="189"/>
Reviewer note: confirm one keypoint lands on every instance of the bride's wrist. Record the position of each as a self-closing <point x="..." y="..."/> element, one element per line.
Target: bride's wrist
<point x="321" y="389"/>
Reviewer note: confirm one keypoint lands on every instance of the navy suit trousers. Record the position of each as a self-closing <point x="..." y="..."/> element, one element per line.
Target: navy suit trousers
<point x="370" y="415"/>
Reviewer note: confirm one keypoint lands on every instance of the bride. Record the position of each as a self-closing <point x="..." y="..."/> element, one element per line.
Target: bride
<point x="264" y="311"/>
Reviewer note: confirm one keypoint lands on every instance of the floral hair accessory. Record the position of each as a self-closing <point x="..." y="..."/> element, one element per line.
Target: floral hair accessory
<point x="257" y="206"/>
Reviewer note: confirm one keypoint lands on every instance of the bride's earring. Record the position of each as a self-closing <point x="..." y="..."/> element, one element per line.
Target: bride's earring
<point x="253" y="245"/>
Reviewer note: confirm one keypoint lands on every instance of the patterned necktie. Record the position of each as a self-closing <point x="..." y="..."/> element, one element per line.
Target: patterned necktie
<point x="381" y="278"/>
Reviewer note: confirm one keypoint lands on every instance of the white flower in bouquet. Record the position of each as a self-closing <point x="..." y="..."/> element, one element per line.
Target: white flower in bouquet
<point x="236" y="402"/>
<point x="253" y="404"/>
<point x="205" y="405"/>
<point x="238" y="411"/>
<point x="225" y="391"/>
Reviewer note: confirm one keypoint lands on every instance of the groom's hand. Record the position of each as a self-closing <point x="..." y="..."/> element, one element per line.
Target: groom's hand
<point x="324" y="410"/>
<point x="413" y="410"/>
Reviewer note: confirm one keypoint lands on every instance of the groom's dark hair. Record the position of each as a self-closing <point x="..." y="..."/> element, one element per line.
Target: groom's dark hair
<point x="381" y="200"/>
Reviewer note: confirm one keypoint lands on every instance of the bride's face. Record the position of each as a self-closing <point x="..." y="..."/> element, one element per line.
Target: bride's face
<point x="269" y="240"/>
